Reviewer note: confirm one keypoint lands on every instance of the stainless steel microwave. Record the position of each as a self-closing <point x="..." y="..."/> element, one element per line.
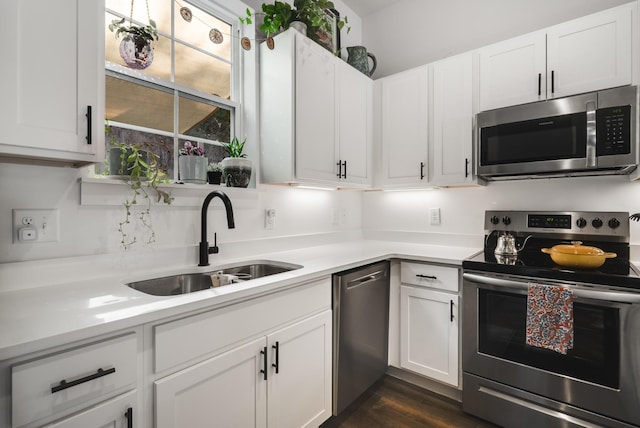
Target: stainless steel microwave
<point x="587" y="134"/>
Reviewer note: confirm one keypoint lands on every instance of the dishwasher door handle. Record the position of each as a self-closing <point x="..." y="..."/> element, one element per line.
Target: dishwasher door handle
<point x="365" y="279"/>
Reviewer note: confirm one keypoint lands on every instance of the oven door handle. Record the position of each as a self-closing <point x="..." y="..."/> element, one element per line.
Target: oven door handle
<point x="580" y="292"/>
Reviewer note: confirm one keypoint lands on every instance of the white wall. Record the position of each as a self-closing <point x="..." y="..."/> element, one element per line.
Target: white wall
<point x="416" y="32"/>
<point x="92" y="230"/>
<point x="462" y="209"/>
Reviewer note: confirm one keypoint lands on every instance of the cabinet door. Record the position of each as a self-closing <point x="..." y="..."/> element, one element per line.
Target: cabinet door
<point x="404" y="129"/>
<point x="114" y="413"/>
<point x="452" y="121"/>
<point x="228" y="390"/>
<point x="429" y="333"/>
<point x="354" y="92"/>
<point x="299" y="388"/>
<point x="51" y="75"/>
<point x="590" y="53"/>
<point x="513" y="72"/>
<point x="316" y="146"/>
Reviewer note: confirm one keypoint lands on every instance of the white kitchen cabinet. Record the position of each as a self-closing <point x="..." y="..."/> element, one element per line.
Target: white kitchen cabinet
<point x="234" y="390"/>
<point x="451" y="118"/>
<point x="429" y="322"/>
<point x="53" y="386"/>
<point x="52" y="81"/>
<point x="315" y="116"/>
<point x="117" y="413"/>
<point x="404" y="129"/>
<point x="586" y="54"/>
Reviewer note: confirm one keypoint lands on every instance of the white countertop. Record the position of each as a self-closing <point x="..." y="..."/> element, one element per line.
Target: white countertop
<point x="34" y="319"/>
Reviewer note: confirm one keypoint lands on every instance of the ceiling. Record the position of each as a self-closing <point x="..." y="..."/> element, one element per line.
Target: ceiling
<point x="367" y="7"/>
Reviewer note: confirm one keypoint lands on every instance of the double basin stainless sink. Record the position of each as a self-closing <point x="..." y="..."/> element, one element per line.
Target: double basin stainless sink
<point x="191" y="282"/>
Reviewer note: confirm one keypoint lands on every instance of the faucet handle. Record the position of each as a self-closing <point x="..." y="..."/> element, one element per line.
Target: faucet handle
<point x="214" y="249"/>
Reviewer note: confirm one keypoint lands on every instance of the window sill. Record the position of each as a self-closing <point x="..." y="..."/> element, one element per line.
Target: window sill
<point x="113" y="192"/>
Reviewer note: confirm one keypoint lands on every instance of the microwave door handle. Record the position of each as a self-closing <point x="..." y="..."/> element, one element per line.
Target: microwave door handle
<point x="591" y="135"/>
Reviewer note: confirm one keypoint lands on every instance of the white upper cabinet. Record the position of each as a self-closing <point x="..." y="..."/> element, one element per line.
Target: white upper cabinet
<point x="513" y="72"/>
<point x="451" y="118"/>
<point x="52" y="80"/>
<point x="403" y="108"/>
<point x="315" y="115"/>
<point x="585" y="54"/>
<point x="590" y="53"/>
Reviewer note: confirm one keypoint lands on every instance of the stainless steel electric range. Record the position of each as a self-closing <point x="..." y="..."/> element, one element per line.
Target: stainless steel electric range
<point x="506" y="381"/>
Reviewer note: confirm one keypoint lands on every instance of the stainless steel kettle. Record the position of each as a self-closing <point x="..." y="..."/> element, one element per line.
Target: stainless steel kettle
<point x="507" y="246"/>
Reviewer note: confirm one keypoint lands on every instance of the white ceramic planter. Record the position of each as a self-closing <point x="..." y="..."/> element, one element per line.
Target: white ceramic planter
<point x="193" y="169"/>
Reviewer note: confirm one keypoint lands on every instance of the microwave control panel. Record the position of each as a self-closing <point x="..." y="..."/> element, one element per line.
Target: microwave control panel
<point x="613" y="130"/>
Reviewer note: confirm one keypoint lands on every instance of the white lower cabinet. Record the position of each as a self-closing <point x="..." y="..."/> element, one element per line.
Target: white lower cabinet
<point x="429" y="329"/>
<point x="279" y="380"/>
<point x="117" y="413"/>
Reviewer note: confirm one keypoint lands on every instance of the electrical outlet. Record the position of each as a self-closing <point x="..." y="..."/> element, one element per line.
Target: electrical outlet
<point x="269" y="218"/>
<point x="434" y="216"/>
<point x="343" y="217"/>
<point x="37" y="225"/>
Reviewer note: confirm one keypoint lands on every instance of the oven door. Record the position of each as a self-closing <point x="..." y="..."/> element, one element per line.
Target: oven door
<point x="600" y="375"/>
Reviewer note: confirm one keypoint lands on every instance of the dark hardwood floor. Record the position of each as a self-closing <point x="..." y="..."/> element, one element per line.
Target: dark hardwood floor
<point x="393" y="403"/>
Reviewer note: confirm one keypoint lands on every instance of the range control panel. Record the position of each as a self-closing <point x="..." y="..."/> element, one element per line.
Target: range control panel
<point x="594" y="223"/>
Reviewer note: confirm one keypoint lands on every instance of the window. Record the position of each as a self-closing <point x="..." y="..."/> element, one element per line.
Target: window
<point x="189" y="89"/>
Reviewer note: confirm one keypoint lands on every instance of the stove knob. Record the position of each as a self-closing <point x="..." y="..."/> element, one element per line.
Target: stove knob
<point x="597" y="223"/>
<point x="614" y="223"/>
<point x="494" y="220"/>
<point x="581" y="222"/>
<point x="506" y="220"/>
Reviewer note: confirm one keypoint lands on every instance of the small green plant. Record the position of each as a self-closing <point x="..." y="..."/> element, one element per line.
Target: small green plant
<point x="235" y="148"/>
<point x="148" y="33"/>
<point x="144" y="175"/>
<point x="214" y="167"/>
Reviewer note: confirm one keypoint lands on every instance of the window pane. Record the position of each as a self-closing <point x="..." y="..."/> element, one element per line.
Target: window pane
<point x="138" y="105"/>
<point x="202" y="72"/>
<point x="198" y="31"/>
<point x="204" y="120"/>
<point x="161" y="145"/>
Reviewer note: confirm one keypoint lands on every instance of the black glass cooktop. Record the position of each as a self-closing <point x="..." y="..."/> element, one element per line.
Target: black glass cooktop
<point x="532" y="262"/>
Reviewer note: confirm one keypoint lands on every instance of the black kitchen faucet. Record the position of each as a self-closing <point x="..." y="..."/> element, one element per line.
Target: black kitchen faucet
<point x="205" y="250"/>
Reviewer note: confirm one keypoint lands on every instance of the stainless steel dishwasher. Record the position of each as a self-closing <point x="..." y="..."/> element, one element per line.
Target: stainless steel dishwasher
<point x="360" y="331"/>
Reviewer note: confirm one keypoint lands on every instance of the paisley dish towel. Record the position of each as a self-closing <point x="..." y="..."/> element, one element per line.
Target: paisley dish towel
<point x="550" y="317"/>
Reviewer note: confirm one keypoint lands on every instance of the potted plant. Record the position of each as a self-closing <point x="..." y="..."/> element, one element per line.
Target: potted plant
<point x="236" y="168"/>
<point x="214" y="173"/>
<point x="192" y="164"/>
<point x="142" y="173"/>
<point x="279" y="16"/>
<point x="136" y="47"/>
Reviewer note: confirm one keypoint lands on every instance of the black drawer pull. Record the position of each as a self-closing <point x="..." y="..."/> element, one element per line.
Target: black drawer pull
<point x="339" y="165"/>
<point x="89" y="118"/>
<point x="539" y="84"/>
<point x="64" y="384"/>
<point x="451" y="311"/>
<point x="421" y="170"/>
<point x="419" y="275"/>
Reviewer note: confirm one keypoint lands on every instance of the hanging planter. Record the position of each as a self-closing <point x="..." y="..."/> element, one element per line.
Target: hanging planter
<point x="136" y="47"/>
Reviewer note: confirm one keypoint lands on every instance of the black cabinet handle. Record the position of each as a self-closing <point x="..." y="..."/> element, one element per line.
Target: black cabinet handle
<point x="129" y="416"/>
<point x="421" y="170"/>
<point x="419" y="275"/>
<point x="553" y="84"/>
<point x="264" y="360"/>
<point x="88" y="115"/>
<point x="345" y="169"/>
<point x="276" y="365"/>
<point x="451" y="309"/>
<point x="539" y="84"/>
<point x="339" y="165"/>
<point x="466" y="167"/>
<point x="64" y="384"/>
